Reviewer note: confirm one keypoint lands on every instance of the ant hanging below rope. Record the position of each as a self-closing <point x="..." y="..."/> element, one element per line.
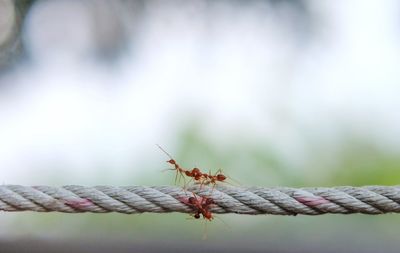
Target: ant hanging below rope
<point x="200" y="205"/>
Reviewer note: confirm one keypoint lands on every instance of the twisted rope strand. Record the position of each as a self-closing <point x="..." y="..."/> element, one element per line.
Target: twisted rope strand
<point x="164" y="199"/>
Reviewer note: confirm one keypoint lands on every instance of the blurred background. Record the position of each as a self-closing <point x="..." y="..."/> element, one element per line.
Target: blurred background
<point x="274" y="92"/>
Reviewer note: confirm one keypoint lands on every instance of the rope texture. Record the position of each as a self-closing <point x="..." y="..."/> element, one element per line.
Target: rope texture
<point x="164" y="199"/>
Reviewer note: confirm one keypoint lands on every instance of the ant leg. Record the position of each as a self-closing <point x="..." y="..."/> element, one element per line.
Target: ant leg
<point x="164" y="170"/>
<point x="203" y="182"/>
<point x="176" y="177"/>
<point x="184" y="181"/>
<point x="205" y="230"/>
<point x="218" y="172"/>
<point x="185" y="185"/>
<point x="213" y="187"/>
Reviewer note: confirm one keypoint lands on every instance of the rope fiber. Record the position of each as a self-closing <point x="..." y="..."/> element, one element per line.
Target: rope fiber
<point x="165" y="199"/>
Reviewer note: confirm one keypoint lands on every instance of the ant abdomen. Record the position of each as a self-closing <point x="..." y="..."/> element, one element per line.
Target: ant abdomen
<point x="221" y="177"/>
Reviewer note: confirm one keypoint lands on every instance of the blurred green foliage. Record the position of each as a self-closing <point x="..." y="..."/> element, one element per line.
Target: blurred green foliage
<point x="356" y="162"/>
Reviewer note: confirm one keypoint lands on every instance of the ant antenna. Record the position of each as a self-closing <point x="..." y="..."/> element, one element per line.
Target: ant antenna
<point x="165" y="152"/>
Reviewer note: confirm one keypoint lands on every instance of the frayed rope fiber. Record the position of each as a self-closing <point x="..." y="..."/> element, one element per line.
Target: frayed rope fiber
<point x="165" y="199"/>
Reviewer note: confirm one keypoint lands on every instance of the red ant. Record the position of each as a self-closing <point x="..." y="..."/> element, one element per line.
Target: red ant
<point x="195" y="173"/>
<point x="206" y="179"/>
<point x="213" y="179"/>
<point x="201" y="207"/>
<point x="179" y="170"/>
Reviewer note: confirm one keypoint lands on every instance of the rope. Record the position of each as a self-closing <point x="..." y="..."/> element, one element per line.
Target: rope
<point x="164" y="199"/>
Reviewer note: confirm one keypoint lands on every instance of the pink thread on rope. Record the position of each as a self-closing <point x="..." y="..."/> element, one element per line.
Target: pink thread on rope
<point x="79" y="203"/>
<point x="309" y="199"/>
<point x="184" y="200"/>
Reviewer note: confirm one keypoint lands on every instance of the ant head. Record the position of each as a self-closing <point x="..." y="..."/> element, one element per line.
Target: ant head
<point x="172" y="161"/>
<point x="197" y="216"/>
<point x="221" y="177"/>
<point x="195" y="170"/>
<point x="192" y="200"/>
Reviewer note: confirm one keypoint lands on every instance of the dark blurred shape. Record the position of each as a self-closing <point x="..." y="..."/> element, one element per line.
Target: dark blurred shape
<point x="296" y="14"/>
<point x="293" y="15"/>
<point x="112" y="24"/>
<point x="12" y="14"/>
<point x="113" y="21"/>
<point x="77" y="29"/>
